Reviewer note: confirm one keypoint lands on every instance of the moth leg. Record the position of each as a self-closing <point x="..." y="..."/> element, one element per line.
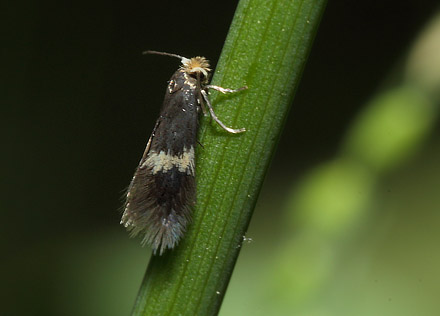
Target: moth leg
<point x="211" y="110"/>
<point x="225" y="90"/>
<point x="200" y="97"/>
<point x="202" y="104"/>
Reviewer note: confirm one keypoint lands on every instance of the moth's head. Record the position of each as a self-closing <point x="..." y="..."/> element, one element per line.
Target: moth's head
<point x="196" y="67"/>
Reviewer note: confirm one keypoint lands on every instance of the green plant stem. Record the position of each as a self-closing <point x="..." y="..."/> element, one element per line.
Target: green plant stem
<point x="266" y="50"/>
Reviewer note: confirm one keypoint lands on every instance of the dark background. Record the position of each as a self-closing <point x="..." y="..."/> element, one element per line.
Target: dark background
<point x="79" y="102"/>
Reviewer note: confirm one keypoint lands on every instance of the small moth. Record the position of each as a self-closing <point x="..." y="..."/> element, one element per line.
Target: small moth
<point x="162" y="192"/>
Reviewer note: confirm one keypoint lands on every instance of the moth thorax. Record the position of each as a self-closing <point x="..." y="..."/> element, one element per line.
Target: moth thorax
<point x="196" y="66"/>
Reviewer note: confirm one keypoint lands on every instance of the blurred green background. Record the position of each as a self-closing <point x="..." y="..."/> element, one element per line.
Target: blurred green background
<point x="348" y="219"/>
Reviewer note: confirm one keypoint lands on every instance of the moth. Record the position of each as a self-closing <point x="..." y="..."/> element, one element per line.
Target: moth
<point x="162" y="191"/>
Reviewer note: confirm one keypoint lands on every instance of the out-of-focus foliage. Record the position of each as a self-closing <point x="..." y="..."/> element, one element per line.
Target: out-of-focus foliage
<point x="345" y="246"/>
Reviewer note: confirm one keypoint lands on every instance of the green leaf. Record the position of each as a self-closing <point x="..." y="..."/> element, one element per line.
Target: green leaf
<point x="266" y="50"/>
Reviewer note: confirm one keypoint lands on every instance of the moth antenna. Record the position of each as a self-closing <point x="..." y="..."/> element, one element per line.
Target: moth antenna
<point x="153" y="52"/>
